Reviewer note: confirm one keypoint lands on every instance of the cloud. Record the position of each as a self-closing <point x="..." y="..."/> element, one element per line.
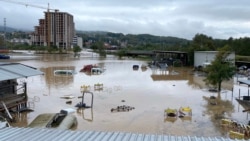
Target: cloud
<point x="180" y="18"/>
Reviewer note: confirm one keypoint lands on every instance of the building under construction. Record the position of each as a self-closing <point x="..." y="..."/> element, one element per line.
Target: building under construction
<point x="56" y="29"/>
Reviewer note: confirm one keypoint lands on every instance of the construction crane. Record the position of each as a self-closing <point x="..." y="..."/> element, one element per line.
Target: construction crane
<point x="28" y="5"/>
<point x="41" y="7"/>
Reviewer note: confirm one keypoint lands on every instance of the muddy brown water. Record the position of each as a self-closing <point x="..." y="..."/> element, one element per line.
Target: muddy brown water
<point x="149" y="91"/>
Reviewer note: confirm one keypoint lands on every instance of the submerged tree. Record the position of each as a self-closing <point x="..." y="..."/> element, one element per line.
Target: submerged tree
<point x="76" y="50"/>
<point x="99" y="48"/>
<point x="221" y="69"/>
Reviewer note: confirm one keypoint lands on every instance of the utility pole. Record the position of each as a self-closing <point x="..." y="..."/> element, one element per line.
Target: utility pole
<point x="4" y="36"/>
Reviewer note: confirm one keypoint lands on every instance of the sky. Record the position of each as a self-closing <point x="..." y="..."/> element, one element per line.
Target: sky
<point x="219" y="19"/>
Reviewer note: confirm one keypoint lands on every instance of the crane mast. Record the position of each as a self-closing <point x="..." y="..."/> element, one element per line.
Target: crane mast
<point x="49" y="24"/>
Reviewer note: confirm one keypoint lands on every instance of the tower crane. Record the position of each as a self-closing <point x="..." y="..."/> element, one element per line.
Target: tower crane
<point x="41" y="7"/>
<point x="29" y="5"/>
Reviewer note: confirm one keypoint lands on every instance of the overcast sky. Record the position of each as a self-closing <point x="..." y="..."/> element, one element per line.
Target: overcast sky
<point x="179" y="18"/>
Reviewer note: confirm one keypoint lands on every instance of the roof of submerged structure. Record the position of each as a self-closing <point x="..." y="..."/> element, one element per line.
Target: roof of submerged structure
<point x="10" y="71"/>
<point x="48" y="134"/>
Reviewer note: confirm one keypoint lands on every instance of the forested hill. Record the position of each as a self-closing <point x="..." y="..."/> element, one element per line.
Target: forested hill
<point x="200" y="42"/>
<point x="9" y="29"/>
<point x="132" y="39"/>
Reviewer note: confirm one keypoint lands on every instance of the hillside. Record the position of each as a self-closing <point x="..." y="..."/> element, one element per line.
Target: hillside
<point x="132" y="39"/>
<point x="8" y="29"/>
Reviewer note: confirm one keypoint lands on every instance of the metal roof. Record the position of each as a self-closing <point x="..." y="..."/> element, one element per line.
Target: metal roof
<point x="46" y="134"/>
<point x="15" y="70"/>
<point x="246" y="82"/>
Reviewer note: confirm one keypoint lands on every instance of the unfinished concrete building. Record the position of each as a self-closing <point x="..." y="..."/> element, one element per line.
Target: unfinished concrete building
<point x="57" y="29"/>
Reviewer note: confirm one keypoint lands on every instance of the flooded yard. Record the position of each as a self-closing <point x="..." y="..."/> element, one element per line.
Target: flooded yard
<point x="149" y="91"/>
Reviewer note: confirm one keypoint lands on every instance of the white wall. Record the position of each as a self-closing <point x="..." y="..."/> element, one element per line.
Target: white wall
<point x="201" y="57"/>
<point x="79" y="42"/>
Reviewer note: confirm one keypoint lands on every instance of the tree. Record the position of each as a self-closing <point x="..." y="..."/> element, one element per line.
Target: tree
<point x="1" y="41"/>
<point x="76" y="49"/>
<point x="221" y="69"/>
<point x="99" y="48"/>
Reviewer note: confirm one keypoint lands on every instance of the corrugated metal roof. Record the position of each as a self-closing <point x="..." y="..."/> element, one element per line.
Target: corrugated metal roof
<point x="46" y="134"/>
<point x="14" y="71"/>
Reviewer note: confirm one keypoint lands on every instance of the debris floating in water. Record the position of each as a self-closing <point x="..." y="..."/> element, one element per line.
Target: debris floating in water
<point x="122" y="108"/>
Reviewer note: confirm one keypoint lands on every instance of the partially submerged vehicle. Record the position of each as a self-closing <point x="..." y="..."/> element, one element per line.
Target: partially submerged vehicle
<point x="88" y="68"/>
<point x="92" y="69"/>
<point x="97" y="70"/>
<point x="63" y="120"/>
<point x="64" y="72"/>
<point x="135" y="67"/>
<point x="2" y="56"/>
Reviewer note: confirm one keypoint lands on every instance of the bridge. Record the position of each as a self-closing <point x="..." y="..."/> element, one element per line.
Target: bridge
<point x="161" y="55"/>
<point x="136" y="53"/>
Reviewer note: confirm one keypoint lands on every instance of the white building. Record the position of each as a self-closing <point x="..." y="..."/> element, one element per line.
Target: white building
<point x="202" y="58"/>
<point x="77" y="41"/>
<point x="20" y="41"/>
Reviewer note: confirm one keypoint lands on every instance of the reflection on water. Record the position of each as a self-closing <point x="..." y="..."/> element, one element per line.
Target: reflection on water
<point x="170" y="119"/>
<point x="56" y="80"/>
<point x="150" y="91"/>
<point x="171" y="74"/>
<point x="86" y="114"/>
<point x="218" y="109"/>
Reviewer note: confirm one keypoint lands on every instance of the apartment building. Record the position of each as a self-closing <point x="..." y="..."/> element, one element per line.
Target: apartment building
<point x="77" y="41"/>
<point x="56" y="29"/>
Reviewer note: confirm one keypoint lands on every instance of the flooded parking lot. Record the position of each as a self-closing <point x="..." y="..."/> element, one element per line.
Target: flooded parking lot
<point x="149" y="91"/>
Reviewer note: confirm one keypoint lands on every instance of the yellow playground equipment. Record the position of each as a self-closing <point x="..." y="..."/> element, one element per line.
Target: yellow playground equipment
<point x="227" y="122"/>
<point x="236" y="135"/>
<point x="170" y="112"/>
<point x="85" y="88"/>
<point x="238" y="130"/>
<point x="98" y="86"/>
<point x="185" y="111"/>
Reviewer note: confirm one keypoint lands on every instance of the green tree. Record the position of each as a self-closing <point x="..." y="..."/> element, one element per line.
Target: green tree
<point x="121" y="53"/>
<point x="52" y="49"/>
<point x="99" y="48"/>
<point x="221" y="69"/>
<point x="200" y="42"/>
<point x="76" y="49"/>
<point x="1" y="41"/>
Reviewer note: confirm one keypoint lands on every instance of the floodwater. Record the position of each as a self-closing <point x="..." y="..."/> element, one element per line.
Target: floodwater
<point x="149" y="91"/>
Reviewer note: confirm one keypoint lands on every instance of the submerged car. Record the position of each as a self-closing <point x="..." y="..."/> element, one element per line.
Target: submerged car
<point x="2" y="56"/>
